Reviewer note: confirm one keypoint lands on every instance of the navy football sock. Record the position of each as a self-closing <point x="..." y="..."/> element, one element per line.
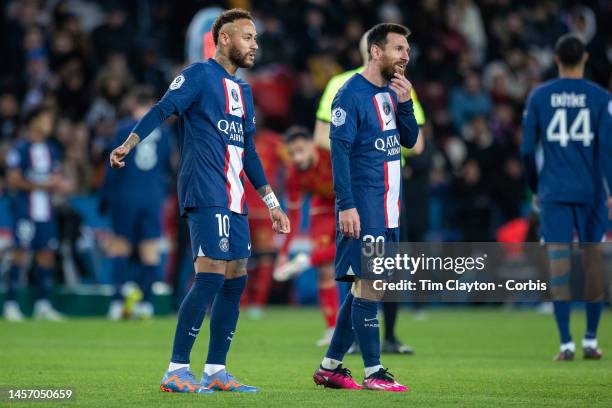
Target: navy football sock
<point x="224" y="318"/>
<point x="593" y="314"/>
<point x="343" y="333"/>
<point x="44" y="281"/>
<point x="365" y="323"/>
<point x="119" y="265"/>
<point x="13" y="282"/>
<point x="148" y="274"/>
<point x="191" y="313"/>
<point x="562" y="316"/>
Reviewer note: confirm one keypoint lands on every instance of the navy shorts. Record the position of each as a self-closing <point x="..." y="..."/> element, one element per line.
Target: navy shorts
<point x="348" y="250"/>
<point x="559" y="222"/>
<point x="34" y="236"/>
<point x="136" y="222"/>
<point x="218" y="233"/>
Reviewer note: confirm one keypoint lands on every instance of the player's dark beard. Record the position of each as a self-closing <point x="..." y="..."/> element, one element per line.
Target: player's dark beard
<point x="239" y="59"/>
<point x="388" y="70"/>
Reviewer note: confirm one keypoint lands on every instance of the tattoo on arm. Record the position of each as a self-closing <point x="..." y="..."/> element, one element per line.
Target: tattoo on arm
<point x="131" y="141"/>
<point x="264" y="191"/>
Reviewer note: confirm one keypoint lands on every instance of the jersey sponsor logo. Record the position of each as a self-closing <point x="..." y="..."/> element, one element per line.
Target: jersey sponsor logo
<point x="384" y="109"/>
<point x="234" y="104"/>
<point x="177" y="82"/>
<point x="338" y="117"/>
<point x="232" y="129"/>
<point x="224" y="244"/>
<point x="390" y="145"/>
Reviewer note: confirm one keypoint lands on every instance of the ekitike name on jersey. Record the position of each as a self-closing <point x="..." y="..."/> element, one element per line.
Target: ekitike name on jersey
<point x="232" y="129"/>
<point x="567" y="100"/>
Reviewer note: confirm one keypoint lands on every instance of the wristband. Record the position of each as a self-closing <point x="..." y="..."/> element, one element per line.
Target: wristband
<point x="271" y="200"/>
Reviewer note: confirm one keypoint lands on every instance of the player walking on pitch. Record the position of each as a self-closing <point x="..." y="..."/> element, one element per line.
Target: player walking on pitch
<point x="372" y="117"/>
<point x="572" y="120"/>
<point x="216" y="127"/>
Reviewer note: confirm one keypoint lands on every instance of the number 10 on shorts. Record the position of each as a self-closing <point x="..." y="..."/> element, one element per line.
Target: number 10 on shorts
<point x="224" y="224"/>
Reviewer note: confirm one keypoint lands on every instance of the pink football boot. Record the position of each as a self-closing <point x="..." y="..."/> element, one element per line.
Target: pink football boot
<point x="337" y="378"/>
<point x="383" y="380"/>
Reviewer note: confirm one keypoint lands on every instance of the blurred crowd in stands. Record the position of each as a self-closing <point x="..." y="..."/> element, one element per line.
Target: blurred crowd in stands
<point x="472" y="63"/>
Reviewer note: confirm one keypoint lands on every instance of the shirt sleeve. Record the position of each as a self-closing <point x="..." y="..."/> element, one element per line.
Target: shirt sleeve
<point x="340" y="154"/>
<point x="408" y="127"/>
<point x="183" y="91"/>
<point x="344" y="117"/>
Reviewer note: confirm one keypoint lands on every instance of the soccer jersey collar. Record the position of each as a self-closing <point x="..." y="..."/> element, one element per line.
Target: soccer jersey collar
<point x="219" y="67"/>
<point x="378" y="88"/>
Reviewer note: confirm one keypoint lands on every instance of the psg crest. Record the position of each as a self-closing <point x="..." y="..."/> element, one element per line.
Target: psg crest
<point x="386" y="107"/>
<point x="224" y="244"/>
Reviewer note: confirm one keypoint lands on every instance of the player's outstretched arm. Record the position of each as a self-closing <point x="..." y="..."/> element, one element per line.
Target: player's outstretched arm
<point x="408" y="127"/>
<point x="182" y="92"/>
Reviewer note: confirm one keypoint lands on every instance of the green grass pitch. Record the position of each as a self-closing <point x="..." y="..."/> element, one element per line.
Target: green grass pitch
<point x="465" y="357"/>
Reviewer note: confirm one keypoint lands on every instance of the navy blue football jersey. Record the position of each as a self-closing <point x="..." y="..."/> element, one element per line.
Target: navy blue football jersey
<point x="145" y="176"/>
<point x="369" y="118"/>
<point x="216" y="126"/>
<point x="37" y="162"/>
<point x="570" y="119"/>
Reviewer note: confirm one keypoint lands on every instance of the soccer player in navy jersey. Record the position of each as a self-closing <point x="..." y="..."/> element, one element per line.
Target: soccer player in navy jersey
<point x="570" y="117"/>
<point x="34" y="176"/>
<point x="216" y="122"/>
<point x="134" y="197"/>
<point x="372" y="117"/>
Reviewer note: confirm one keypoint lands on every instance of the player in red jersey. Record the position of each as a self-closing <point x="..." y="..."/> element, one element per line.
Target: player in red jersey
<point x="310" y="173"/>
<point x="272" y="154"/>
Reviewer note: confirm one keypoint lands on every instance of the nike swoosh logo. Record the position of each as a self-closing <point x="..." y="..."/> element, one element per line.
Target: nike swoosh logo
<point x="231" y="336"/>
<point x="194" y="329"/>
<point x="236" y="108"/>
<point x="369" y="320"/>
<point x="388" y="122"/>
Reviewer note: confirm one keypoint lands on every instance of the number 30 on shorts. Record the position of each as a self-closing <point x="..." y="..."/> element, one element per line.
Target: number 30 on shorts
<point x="224" y="224"/>
<point x="373" y="246"/>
